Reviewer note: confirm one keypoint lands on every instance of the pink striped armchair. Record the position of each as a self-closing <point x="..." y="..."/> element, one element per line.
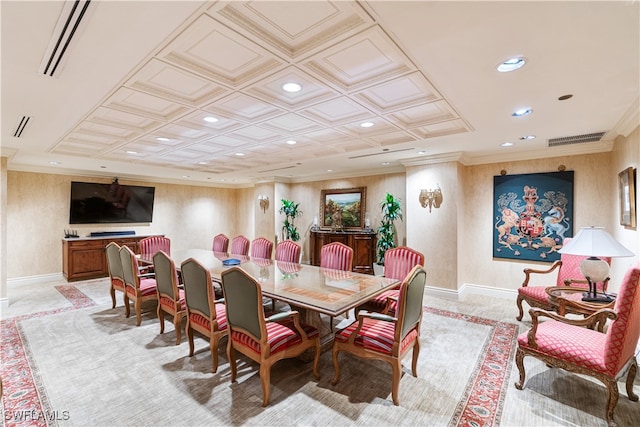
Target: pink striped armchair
<point x="568" y="344"/>
<point x="239" y="246"/>
<point x="261" y="248"/>
<point x="398" y="262"/>
<point x="337" y="256"/>
<point x="152" y="244"/>
<point x="568" y="274"/>
<point x="220" y="243"/>
<point x="288" y="251"/>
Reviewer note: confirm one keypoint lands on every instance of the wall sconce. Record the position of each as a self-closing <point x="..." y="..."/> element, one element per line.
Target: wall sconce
<point x="263" y="199"/>
<point x="431" y="197"/>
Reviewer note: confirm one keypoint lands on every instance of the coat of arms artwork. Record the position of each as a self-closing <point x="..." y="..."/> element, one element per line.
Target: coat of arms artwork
<point x="533" y="214"/>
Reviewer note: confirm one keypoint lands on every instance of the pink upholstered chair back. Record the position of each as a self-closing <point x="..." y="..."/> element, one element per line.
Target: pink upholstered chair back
<point x="399" y="261"/>
<point x="623" y="333"/>
<point x="337" y="256"/>
<point x="240" y="246"/>
<point x="570" y="269"/>
<point x="288" y="251"/>
<point x="220" y="243"/>
<point x="152" y="244"/>
<point x="261" y="248"/>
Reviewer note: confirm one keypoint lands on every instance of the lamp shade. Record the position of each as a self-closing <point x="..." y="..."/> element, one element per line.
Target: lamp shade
<point x="595" y="241"/>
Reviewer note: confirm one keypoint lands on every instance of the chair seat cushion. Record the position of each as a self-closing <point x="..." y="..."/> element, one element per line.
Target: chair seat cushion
<point x="221" y="318"/>
<point x="147" y="288"/>
<point x="379" y="302"/>
<point x="280" y="336"/>
<point x="376" y="335"/>
<point x="168" y="302"/>
<point x="538" y="293"/>
<point x="117" y="283"/>
<point x="580" y="346"/>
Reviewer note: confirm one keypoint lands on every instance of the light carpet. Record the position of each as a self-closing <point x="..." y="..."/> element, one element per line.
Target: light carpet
<point x="86" y="364"/>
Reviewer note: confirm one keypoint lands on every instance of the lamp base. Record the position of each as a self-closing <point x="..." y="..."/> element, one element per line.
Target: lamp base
<point x="588" y="297"/>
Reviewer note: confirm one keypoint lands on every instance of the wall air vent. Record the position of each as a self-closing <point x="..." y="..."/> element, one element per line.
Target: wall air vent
<point x="23" y="123"/>
<point x="66" y="27"/>
<point x="576" y="139"/>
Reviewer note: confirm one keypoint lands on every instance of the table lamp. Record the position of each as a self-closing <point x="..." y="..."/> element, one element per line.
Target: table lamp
<point x="594" y="242"/>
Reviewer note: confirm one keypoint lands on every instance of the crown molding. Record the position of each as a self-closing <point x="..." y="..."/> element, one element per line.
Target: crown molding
<point x="629" y="121"/>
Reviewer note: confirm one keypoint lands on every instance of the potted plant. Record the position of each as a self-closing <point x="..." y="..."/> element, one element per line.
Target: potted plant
<point x="391" y="211"/>
<point x="291" y="211"/>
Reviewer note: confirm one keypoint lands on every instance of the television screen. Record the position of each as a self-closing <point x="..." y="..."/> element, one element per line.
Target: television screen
<point x="94" y="203"/>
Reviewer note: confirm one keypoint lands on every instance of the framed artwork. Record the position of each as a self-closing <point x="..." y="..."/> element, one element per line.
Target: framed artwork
<point x="343" y="208"/>
<point x="627" y="189"/>
<point x="532" y="214"/>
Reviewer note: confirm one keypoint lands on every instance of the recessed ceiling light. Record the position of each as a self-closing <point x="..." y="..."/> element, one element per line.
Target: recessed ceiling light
<point x="329" y="170"/>
<point x="422" y="152"/>
<point x="527" y="137"/>
<point x="385" y="163"/>
<point x="239" y="154"/>
<point x="163" y="139"/>
<point x="511" y="64"/>
<point x="185" y="176"/>
<point x="366" y="124"/>
<point x="202" y="163"/>
<point x="54" y="163"/>
<point x="210" y="119"/>
<point x="292" y="142"/>
<point x="131" y="152"/>
<point x="291" y="87"/>
<point x="506" y="144"/>
<point x="522" y="112"/>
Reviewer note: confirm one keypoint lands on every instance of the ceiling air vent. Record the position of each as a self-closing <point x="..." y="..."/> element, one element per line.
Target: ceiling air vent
<point x="23" y="124"/>
<point x="576" y="139"/>
<point x="66" y="27"/>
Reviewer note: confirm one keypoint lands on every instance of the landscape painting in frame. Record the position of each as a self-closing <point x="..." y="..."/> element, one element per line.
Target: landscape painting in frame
<point x="343" y="208"/>
<point x="533" y="214"/>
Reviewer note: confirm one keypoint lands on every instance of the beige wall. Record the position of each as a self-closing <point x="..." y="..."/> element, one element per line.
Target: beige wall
<point x="456" y="238"/>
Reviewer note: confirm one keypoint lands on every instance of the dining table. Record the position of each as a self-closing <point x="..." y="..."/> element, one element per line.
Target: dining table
<point x="308" y="289"/>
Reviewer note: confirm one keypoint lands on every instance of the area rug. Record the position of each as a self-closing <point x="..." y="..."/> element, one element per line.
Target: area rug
<point x="87" y="364"/>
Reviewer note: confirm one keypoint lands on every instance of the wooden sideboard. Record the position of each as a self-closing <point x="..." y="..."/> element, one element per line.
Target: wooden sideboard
<point x="363" y="244"/>
<point x="85" y="258"/>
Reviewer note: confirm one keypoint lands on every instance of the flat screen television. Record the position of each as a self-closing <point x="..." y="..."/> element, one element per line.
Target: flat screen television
<point x="94" y="203"/>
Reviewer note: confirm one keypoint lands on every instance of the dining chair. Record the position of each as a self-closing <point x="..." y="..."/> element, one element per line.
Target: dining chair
<point x="116" y="276"/>
<point x="288" y="251"/>
<point x="152" y="244"/>
<point x="573" y="344"/>
<point x="387" y="338"/>
<point x="220" y="243"/>
<point x="138" y="287"/>
<point x="398" y="263"/>
<point x="336" y="256"/>
<point x="205" y="315"/>
<point x="264" y="340"/>
<point x="261" y="248"/>
<point x="239" y="246"/>
<point x="170" y="297"/>
<point x="568" y="273"/>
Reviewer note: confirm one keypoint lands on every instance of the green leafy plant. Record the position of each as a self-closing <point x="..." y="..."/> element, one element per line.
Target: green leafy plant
<point x="291" y="211"/>
<point x="391" y="211"/>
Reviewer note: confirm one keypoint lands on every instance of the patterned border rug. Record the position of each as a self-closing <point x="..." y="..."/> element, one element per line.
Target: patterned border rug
<point x="481" y="361"/>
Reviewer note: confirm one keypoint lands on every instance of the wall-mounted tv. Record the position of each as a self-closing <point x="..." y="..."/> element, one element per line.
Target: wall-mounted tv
<point x="94" y="203"/>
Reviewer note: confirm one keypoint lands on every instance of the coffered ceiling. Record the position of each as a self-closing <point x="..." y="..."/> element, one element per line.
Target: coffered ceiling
<point x="138" y="79"/>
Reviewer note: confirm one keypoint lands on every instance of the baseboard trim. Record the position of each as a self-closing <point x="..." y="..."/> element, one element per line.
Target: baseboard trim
<point x="29" y="280"/>
<point x="4" y="305"/>
<point x="441" y="292"/>
<point x="489" y="291"/>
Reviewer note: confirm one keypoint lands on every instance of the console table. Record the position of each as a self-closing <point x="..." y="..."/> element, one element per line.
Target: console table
<point x="85" y="258"/>
<point x="363" y="244"/>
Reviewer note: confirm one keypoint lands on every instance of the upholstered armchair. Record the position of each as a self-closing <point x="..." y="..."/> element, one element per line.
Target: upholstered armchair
<point x="387" y="338"/>
<point x="170" y="297"/>
<point x="288" y="251"/>
<point x="398" y="262"/>
<point x="139" y="288"/>
<point x="264" y="340"/>
<point x="568" y="274"/>
<point x="261" y="248"/>
<point x="204" y="314"/>
<point x="152" y="244"/>
<point x="568" y="344"/>
<point x="116" y="276"/>
<point x="337" y="256"/>
<point x="239" y="246"/>
<point x="220" y="243"/>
